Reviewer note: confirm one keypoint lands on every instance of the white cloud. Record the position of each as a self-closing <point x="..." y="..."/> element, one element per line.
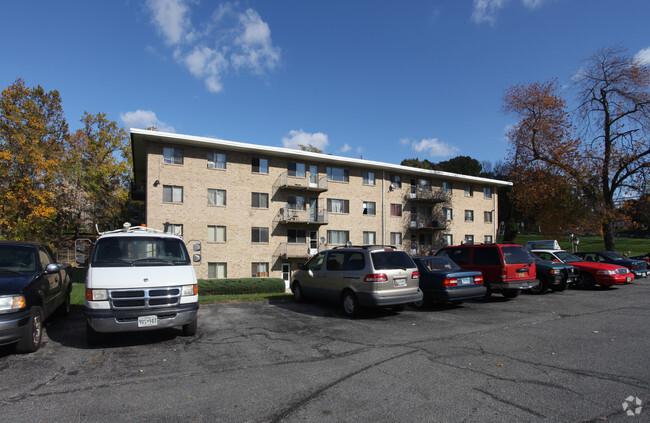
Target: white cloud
<point x="533" y="4"/>
<point x="229" y="39"/>
<point x="434" y="148"/>
<point x="643" y="57"/>
<point x="346" y="148"/>
<point x="300" y="137"/>
<point x="143" y="119"/>
<point x="486" y="10"/>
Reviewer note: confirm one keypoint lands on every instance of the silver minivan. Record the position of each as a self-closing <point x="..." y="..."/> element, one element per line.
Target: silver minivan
<point x="355" y="277"/>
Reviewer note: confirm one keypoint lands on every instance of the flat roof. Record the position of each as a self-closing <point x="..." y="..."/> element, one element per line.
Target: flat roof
<point x="139" y="138"/>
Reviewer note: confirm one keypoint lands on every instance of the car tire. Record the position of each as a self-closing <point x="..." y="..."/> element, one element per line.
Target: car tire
<point x="190" y="328"/>
<point x="32" y="333"/>
<point x="298" y="293"/>
<point x="350" y="304"/>
<point x="560" y="287"/>
<point x="585" y="281"/>
<point x="93" y="338"/>
<point x="488" y="292"/>
<point x="540" y="288"/>
<point x="511" y="293"/>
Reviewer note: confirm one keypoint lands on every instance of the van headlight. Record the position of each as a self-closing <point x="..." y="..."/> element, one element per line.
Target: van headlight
<point x="189" y="290"/>
<point x="12" y="302"/>
<point x="96" y="295"/>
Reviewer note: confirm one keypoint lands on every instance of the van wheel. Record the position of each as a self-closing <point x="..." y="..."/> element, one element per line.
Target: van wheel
<point x="350" y="303"/>
<point x="540" y="288"/>
<point x="32" y="332"/>
<point x="511" y="293"/>
<point x="298" y="293"/>
<point x="190" y="328"/>
<point x="93" y="338"/>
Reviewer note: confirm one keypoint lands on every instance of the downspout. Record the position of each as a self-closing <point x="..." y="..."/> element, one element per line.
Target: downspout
<point x="496" y="215"/>
<point x="383" y="207"/>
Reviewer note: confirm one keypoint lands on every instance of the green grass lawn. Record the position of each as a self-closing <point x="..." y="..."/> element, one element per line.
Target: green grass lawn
<point x="629" y="246"/>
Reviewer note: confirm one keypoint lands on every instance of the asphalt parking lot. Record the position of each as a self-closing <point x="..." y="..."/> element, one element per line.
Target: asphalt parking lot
<point x="570" y="356"/>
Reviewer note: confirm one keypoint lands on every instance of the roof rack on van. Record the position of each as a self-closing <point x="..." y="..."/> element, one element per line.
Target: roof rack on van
<point x="127" y="228"/>
<point x="365" y="247"/>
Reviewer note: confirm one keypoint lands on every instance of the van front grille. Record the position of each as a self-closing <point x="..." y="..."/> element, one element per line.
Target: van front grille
<point x="125" y="299"/>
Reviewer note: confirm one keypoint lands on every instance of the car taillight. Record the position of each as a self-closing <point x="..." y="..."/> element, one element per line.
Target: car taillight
<point x="504" y="273"/>
<point x="634" y="266"/>
<point x="450" y="282"/>
<point x="415" y="275"/>
<point x="376" y="277"/>
<point x="478" y="279"/>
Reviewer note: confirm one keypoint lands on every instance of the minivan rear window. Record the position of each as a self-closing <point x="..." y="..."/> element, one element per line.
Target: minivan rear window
<point x="516" y="254"/>
<point x="391" y="260"/>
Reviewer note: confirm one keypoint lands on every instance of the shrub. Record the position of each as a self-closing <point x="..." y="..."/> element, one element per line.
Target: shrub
<point x="241" y="286"/>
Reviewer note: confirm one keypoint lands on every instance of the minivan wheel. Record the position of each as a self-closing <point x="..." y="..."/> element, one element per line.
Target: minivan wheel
<point x="511" y="293"/>
<point x="350" y="303"/>
<point x="298" y="294"/>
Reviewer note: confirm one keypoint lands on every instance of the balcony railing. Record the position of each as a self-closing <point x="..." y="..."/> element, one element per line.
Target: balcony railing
<point x="309" y="216"/>
<point x="292" y="251"/>
<point x="428" y="195"/>
<point x="427" y="223"/>
<point x="313" y="183"/>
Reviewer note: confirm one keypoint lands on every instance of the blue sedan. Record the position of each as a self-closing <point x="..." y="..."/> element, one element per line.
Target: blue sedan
<point x="443" y="280"/>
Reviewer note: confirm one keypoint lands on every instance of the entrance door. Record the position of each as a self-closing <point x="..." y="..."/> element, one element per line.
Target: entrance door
<point x="313" y="176"/>
<point x="313" y="243"/>
<point x="313" y="209"/>
<point x="286" y="274"/>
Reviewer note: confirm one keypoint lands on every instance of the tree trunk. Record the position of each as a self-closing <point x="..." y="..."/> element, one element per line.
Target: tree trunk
<point x="608" y="235"/>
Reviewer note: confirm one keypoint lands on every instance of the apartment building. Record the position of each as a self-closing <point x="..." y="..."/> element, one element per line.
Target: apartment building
<point x="260" y="211"/>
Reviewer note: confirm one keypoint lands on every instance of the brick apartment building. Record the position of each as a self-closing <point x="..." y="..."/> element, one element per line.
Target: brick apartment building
<point x="260" y="211"/>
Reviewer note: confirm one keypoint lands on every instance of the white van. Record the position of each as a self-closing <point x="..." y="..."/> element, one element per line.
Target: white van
<point x="140" y="279"/>
<point x="549" y="244"/>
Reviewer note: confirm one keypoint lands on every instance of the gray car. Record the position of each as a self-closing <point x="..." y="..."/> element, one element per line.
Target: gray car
<point x="355" y="277"/>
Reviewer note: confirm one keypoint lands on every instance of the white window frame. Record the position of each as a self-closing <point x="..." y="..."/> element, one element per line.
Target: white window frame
<point x="173" y="191"/>
<point x="369" y="238"/>
<point x="216" y="160"/>
<point x="216" y="195"/>
<point x="217" y="270"/>
<point x="173" y="155"/>
<point x="262" y="200"/>
<point x="216" y="233"/>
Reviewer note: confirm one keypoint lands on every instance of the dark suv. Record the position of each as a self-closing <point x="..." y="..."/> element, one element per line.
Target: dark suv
<point x="367" y="276"/>
<point x="506" y="268"/>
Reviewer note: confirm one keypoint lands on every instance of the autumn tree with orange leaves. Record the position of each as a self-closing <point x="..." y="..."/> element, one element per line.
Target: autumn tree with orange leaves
<point x="571" y="168"/>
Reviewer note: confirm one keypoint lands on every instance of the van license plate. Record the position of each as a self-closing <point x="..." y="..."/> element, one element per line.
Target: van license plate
<point x="146" y="321"/>
<point x="400" y="282"/>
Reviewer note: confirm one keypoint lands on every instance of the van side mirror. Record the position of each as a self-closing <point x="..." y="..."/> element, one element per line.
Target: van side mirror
<point x="196" y="258"/>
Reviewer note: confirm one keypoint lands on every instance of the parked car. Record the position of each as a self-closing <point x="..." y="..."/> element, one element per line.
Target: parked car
<point x="638" y="267"/>
<point x="443" y="280"/>
<point x="553" y="275"/>
<point x="506" y="268"/>
<point x="591" y="273"/>
<point x="645" y="257"/>
<point x="547" y="244"/>
<point x="355" y="277"/>
<point x="32" y="287"/>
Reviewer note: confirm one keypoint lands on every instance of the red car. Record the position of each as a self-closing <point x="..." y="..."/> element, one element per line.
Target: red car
<point x="591" y="273"/>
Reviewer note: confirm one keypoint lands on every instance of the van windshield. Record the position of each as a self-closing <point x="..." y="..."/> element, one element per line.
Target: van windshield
<point x="516" y="255"/>
<point x="391" y="260"/>
<point x="139" y="251"/>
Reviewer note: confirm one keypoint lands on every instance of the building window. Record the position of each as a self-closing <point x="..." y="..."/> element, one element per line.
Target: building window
<point x="487" y="192"/>
<point x="469" y="215"/>
<point x="259" y="200"/>
<point x="172" y="194"/>
<point x="260" y="165"/>
<point x="448" y="239"/>
<point x="487" y="239"/>
<point x="395" y="210"/>
<point x="296" y="202"/>
<point x="446" y="187"/>
<point x="487" y="217"/>
<point x="448" y="213"/>
<point x="217" y="270"/>
<point x="369" y="178"/>
<point x="260" y="270"/>
<point x="369" y="207"/>
<point x="173" y="228"/>
<point x="216" y="160"/>
<point x="396" y="238"/>
<point x="369" y="238"/>
<point x="338" y="206"/>
<point x="260" y="235"/>
<point x="296" y="236"/>
<point x="216" y="197"/>
<point x="424" y="184"/>
<point x="338" y="237"/>
<point x="469" y="240"/>
<point x="338" y="174"/>
<point x="172" y="155"/>
<point x="469" y="191"/>
<point x="216" y="233"/>
<point x="395" y="181"/>
<point x="297" y="170"/>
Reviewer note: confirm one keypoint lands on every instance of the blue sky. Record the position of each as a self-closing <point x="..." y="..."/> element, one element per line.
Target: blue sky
<point x="382" y="80"/>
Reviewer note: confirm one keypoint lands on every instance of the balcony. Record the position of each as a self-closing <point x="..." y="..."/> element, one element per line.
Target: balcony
<point x="305" y="217"/>
<point x="428" y="195"/>
<point x="311" y="183"/>
<point x="427" y="224"/>
<point x="288" y="251"/>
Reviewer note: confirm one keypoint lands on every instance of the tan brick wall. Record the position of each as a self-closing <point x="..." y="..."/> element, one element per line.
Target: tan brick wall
<point x="238" y="180"/>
